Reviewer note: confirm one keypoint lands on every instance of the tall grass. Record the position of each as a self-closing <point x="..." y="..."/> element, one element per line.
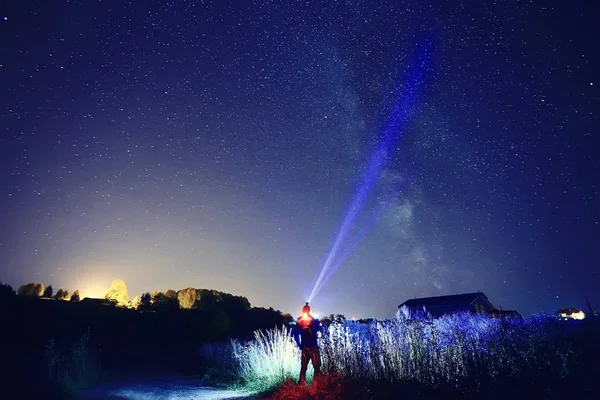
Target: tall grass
<point x="466" y="352"/>
<point x="271" y="359"/>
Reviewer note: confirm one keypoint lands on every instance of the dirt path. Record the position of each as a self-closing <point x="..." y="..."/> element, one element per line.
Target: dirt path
<point x="164" y="387"/>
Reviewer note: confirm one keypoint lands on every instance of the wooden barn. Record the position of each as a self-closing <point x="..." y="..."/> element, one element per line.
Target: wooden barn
<point x="442" y="305"/>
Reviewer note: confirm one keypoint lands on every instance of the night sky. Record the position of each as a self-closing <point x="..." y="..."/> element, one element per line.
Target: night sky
<point x="219" y="144"/>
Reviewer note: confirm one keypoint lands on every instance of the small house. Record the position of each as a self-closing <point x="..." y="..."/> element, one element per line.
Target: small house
<point x="570" y="313"/>
<point x="98" y="302"/>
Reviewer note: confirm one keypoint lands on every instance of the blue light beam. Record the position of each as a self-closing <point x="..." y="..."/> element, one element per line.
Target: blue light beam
<point x="349" y="249"/>
<point x="398" y="117"/>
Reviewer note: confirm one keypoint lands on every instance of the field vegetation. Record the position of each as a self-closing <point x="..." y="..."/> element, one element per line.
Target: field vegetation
<point x="455" y="356"/>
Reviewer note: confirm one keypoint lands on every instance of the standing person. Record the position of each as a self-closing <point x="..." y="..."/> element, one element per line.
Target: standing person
<point x="305" y="334"/>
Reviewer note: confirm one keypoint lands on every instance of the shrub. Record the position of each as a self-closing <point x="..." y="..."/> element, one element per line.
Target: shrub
<point x="268" y="361"/>
<point x="73" y="367"/>
<point x="220" y="367"/>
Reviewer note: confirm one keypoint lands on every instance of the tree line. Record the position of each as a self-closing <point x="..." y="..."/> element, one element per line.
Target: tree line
<point x="117" y="295"/>
<point x="36" y="289"/>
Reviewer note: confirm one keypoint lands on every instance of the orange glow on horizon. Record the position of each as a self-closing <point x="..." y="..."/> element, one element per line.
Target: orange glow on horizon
<point x="92" y="279"/>
<point x="94" y="291"/>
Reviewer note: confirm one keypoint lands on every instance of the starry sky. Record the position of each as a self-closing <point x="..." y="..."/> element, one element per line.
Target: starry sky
<point x="219" y="144"/>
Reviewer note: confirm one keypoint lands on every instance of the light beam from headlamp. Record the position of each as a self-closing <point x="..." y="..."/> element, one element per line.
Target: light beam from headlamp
<point x="399" y="116"/>
<point x="358" y="237"/>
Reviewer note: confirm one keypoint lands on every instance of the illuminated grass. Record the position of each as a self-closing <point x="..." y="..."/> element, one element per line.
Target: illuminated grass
<point x="466" y="352"/>
<point x="269" y="360"/>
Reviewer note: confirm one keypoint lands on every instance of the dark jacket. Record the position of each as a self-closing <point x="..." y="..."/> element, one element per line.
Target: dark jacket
<point x="305" y="332"/>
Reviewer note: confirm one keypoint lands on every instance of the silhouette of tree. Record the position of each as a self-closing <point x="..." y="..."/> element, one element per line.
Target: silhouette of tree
<point x="118" y="292"/>
<point x="66" y="294"/>
<point x="75" y="296"/>
<point x="48" y="292"/>
<point x="145" y="302"/>
<point x="158" y="298"/>
<point x="60" y="295"/>
<point x="215" y="300"/>
<point x="243" y="302"/>
<point x="333" y="318"/>
<point x="209" y="299"/>
<point x="163" y="302"/>
<point x="287" y="318"/>
<point x="33" y="289"/>
<point x="6" y="290"/>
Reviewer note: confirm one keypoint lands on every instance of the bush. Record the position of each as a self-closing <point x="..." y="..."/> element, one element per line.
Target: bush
<point x="75" y="367"/>
<point x="268" y="361"/>
<point x="220" y="368"/>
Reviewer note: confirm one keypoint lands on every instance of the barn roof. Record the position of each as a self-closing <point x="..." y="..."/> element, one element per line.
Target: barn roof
<point x="445" y="303"/>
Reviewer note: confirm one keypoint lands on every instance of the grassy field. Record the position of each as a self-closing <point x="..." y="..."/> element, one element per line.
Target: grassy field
<point x="457" y="356"/>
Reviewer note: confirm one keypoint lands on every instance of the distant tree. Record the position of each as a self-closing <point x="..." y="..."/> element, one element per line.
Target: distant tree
<point x="188" y="297"/>
<point x="75" y="296"/>
<point x="235" y="303"/>
<point x="60" y="295"/>
<point x="135" y="303"/>
<point x="163" y="302"/>
<point x="32" y="289"/>
<point x="6" y="290"/>
<point x="210" y="299"/>
<point x="287" y="318"/>
<point x="118" y="292"/>
<point x="145" y="302"/>
<point x="158" y="298"/>
<point x="333" y="318"/>
<point x="243" y="303"/>
<point x="170" y="301"/>
<point x="48" y="292"/>
<point x="66" y="295"/>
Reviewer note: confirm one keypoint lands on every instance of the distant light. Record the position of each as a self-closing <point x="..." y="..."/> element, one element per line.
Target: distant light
<point x="578" y="315"/>
<point x="93" y="291"/>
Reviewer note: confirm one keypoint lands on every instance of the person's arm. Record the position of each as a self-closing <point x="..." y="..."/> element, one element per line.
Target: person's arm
<point x="296" y="335"/>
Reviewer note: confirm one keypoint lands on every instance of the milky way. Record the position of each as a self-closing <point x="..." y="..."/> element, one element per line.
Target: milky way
<point x="218" y="145"/>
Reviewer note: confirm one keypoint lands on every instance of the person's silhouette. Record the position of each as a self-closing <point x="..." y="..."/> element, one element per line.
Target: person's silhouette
<point x="306" y="334"/>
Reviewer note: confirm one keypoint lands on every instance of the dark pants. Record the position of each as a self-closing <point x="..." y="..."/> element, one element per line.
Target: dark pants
<point x="310" y="354"/>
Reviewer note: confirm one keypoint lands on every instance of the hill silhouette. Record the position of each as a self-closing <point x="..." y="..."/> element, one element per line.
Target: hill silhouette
<point x="46" y="340"/>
